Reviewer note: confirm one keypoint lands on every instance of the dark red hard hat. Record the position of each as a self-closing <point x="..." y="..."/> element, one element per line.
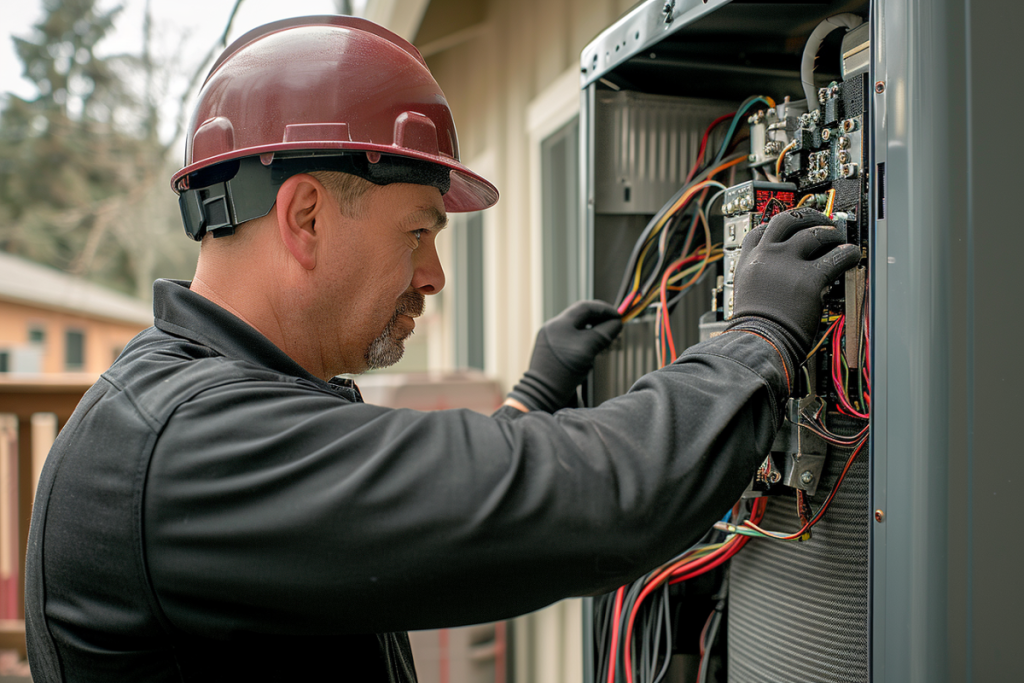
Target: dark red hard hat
<point x="322" y="85"/>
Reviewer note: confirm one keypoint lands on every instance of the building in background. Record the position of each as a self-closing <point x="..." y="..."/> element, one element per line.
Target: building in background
<point x="52" y="322"/>
<point x="57" y="334"/>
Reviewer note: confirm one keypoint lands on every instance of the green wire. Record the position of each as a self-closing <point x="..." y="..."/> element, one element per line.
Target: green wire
<point x="735" y="122"/>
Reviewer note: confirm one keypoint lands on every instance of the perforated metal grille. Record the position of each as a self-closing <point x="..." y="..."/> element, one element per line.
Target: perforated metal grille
<point x="799" y="611"/>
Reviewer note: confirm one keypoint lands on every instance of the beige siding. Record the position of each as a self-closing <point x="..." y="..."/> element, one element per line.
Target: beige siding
<point x="512" y="52"/>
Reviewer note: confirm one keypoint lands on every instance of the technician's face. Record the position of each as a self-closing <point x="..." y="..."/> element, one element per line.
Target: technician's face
<point x="386" y="264"/>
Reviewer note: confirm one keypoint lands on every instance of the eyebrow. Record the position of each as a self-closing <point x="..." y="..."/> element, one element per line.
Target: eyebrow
<point x="440" y="219"/>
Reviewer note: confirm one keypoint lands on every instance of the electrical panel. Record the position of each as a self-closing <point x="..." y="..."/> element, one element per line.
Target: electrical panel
<point x="778" y="590"/>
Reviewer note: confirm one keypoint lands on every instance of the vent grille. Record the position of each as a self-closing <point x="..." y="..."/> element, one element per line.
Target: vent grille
<point x="799" y="611"/>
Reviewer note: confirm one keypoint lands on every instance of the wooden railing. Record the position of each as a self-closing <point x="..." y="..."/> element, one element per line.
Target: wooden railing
<point x="23" y="398"/>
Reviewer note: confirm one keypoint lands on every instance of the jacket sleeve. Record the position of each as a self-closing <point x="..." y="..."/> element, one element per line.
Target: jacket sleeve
<point x="271" y="507"/>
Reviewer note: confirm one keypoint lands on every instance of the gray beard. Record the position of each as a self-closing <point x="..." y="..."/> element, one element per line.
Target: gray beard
<point x="388" y="348"/>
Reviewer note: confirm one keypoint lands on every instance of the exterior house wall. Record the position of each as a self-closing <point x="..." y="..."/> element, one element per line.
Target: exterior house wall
<point x="498" y="58"/>
<point x="103" y="340"/>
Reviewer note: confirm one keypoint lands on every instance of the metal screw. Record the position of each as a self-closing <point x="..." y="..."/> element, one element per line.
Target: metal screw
<point x="667" y="10"/>
<point x="807" y="477"/>
<point x="825" y="134"/>
<point x="752" y="158"/>
<point x="880" y="87"/>
<point x="879" y="516"/>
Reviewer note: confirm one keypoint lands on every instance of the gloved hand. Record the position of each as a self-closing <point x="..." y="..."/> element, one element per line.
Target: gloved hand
<point x="564" y="353"/>
<point x="782" y="273"/>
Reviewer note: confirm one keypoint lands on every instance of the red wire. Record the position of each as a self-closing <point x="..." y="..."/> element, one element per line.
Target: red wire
<point x="690" y="568"/>
<point x="616" y="617"/>
<point x="828" y="500"/>
<point x="704" y="632"/>
<point x="725" y="558"/>
<point x="666" y="328"/>
<point x="844" y="401"/>
<point x="624" y="306"/>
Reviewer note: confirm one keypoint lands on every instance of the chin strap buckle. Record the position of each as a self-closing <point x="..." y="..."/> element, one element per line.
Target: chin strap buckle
<point x="208" y="209"/>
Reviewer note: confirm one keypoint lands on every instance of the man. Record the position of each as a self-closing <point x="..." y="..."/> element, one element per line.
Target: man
<point x="220" y="508"/>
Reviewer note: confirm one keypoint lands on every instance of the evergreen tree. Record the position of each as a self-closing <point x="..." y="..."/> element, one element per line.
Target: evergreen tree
<point x="80" y="162"/>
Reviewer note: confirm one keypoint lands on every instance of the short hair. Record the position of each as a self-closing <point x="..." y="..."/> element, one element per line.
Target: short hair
<point x="346" y="188"/>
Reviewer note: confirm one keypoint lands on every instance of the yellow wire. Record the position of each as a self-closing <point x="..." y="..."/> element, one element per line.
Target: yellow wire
<point x="636" y="309"/>
<point x="671" y="212"/>
<point x="831" y="202"/>
<point x="803" y="200"/>
<point x="710" y="257"/>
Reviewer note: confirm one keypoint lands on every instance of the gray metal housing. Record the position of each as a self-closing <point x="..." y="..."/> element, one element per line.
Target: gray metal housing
<point x="946" y="596"/>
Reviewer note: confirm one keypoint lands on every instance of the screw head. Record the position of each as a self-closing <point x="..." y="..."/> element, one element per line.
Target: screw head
<point x="880" y="87"/>
<point x="879" y="516"/>
<point x="807" y="477"/>
<point x="752" y="158"/>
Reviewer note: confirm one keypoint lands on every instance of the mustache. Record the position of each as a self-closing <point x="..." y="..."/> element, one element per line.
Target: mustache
<point x="410" y="304"/>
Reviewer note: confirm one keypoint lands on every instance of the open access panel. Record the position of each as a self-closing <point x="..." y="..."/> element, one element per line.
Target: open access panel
<point x="701" y="121"/>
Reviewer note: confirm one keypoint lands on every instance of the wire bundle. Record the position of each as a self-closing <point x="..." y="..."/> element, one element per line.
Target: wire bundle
<point x="681" y="256"/>
<point x="634" y="635"/>
<point x="629" y="613"/>
<point x="750" y="528"/>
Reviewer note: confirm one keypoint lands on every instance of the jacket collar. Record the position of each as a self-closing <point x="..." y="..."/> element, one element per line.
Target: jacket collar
<point x="179" y="311"/>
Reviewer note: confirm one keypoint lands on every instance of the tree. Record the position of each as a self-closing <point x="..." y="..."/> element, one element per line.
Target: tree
<point x="80" y="163"/>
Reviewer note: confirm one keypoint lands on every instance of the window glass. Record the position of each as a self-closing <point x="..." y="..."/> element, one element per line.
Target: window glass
<point x="468" y="275"/>
<point x="74" y="350"/>
<point x="559" y="159"/>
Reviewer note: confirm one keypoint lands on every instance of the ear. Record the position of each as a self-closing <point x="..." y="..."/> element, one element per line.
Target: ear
<point x="300" y="200"/>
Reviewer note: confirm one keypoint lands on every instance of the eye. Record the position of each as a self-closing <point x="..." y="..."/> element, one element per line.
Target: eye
<point x="418" y="234"/>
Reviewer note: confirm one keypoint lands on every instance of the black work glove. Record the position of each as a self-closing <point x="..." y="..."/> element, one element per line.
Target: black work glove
<point x="782" y="274"/>
<point x="564" y="353"/>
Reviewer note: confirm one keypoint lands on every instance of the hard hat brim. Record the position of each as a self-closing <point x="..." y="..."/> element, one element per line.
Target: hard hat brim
<point x="469" y="191"/>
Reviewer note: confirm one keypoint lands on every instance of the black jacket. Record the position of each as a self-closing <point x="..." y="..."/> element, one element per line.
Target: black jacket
<point x="214" y="512"/>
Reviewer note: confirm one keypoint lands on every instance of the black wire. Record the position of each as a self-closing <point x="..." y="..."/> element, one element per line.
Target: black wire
<point x="602" y="623"/>
<point x="645" y="235"/>
<point x="724" y="149"/>
<point x="672" y="226"/>
<point x="668" y="636"/>
<point x="641" y="241"/>
<point x="712" y="634"/>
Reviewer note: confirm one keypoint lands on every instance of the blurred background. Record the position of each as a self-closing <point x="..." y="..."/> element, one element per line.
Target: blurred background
<point x="94" y="95"/>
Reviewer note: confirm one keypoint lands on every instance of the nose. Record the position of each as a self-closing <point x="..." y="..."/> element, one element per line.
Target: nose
<point x="428" y="277"/>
